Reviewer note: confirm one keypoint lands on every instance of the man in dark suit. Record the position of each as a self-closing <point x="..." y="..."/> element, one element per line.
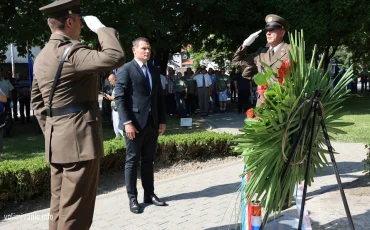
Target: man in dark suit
<point x="140" y="104"/>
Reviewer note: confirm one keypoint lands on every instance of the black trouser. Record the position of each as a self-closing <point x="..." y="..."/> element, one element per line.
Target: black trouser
<point x="25" y="102"/>
<point x="191" y="103"/>
<point x="232" y="92"/>
<point x="170" y="103"/>
<point x="181" y="104"/>
<point x="107" y="109"/>
<point x="143" y="147"/>
<point x="15" y="104"/>
<point x="243" y="100"/>
<point x="9" y="120"/>
<point x="363" y="84"/>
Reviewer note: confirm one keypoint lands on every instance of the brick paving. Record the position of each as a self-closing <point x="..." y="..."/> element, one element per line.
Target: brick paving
<point x="207" y="199"/>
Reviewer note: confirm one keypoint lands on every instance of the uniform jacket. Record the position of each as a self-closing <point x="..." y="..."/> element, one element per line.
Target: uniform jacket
<point x="134" y="99"/>
<point x="73" y="137"/>
<point x="253" y="63"/>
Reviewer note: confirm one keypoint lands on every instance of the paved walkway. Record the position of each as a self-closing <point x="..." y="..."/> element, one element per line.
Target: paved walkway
<point x="208" y="199"/>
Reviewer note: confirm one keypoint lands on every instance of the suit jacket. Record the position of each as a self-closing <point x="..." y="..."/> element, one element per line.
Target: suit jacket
<point x="78" y="136"/>
<point x="253" y="63"/>
<point x="134" y="99"/>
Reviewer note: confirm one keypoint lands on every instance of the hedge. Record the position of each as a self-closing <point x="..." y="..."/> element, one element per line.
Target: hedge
<point x="24" y="179"/>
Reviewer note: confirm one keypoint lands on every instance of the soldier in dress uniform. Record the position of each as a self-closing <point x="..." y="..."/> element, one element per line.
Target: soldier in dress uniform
<point x="67" y="110"/>
<point x="272" y="54"/>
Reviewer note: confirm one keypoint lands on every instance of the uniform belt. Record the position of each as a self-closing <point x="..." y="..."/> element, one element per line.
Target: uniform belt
<point x="72" y="108"/>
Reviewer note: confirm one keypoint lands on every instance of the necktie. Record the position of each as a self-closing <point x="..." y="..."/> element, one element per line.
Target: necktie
<point x="271" y="53"/>
<point x="204" y="82"/>
<point x="147" y="81"/>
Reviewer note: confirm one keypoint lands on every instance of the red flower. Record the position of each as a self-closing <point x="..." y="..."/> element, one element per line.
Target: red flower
<point x="261" y="89"/>
<point x="284" y="71"/>
<point x="250" y="114"/>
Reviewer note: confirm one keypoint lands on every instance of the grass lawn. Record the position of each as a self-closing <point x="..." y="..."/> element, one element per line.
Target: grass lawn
<point x="26" y="142"/>
<point x="358" y="109"/>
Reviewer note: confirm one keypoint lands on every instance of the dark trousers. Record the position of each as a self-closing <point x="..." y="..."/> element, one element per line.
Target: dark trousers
<point x="170" y="103"/>
<point x="143" y="149"/>
<point x="73" y="193"/>
<point x="9" y="125"/>
<point x="181" y="104"/>
<point x="25" y="103"/>
<point x="15" y="104"/>
<point x="191" y="103"/>
<point x="363" y="84"/>
<point x="107" y="109"/>
<point x="232" y="92"/>
<point x="243" y="100"/>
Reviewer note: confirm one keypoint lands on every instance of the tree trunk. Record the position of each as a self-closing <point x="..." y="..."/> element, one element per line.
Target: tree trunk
<point x="161" y="60"/>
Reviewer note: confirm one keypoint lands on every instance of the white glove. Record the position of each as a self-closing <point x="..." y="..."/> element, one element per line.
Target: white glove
<point x="251" y="38"/>
<point x="93" y="23"/>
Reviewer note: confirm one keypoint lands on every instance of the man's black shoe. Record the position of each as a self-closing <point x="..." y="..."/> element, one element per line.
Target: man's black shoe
<point x="153" y="199"/>
<point x="135" y="207"/>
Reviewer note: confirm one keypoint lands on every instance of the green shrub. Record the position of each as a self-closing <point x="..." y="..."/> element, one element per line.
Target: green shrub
<point x="24" y="179"/>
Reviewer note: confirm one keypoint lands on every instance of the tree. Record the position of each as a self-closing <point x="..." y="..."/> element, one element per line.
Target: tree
<point x="172" y="24"/>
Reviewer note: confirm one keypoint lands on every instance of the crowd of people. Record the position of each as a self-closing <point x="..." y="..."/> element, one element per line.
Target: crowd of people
<point x="189" y="93"/>
<point x="17" y="90"/>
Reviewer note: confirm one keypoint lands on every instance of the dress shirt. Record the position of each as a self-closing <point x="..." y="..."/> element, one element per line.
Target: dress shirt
<point x="276" y="47"/>
<point x="141" y="64"/>
<point x="199" y="79"/>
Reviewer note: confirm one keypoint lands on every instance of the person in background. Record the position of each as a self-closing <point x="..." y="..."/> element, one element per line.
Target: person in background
<point x="170" y="98"/>
<point x="204" y="90"/>
<point x="14" y="92"/>
<point x="115" y="117"/>
<point x="192" y="88"/>
<point x="163" y="81"/>
<point x="222" y="87"/>
<point x="3" y="100"/>
<point x="364" y="80"/>
<point x="232" y="85"/>
<point x="214" y="96"/>
<point x="7" y="89"/>
<point x="243" y="89"/>
<point x="181" y="94"/>
<point x="24" y="96"/>
<point x="106" y="105"/>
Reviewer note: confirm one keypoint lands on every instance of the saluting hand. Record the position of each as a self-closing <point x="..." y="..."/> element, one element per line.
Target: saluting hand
<point x="93" y="23"/>
<point x="251" y="38"/>
<point x="130" y="131"/>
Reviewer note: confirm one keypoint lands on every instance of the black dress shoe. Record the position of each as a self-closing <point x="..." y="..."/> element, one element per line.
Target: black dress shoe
<point x="135" y="207"/>
<point x="153" y="199"/>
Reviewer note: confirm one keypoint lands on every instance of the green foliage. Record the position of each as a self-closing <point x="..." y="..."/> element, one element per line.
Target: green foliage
<point x="26" y="178"/>
<point x="171" y="25"/>
<point x="267" y="143"/>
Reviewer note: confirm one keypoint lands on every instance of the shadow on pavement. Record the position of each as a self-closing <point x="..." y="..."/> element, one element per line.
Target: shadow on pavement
<point x="227" y="227"/>
<point x="361" y="222"/>
<point x="344" y="168"/>
<point x="213" y="191"/>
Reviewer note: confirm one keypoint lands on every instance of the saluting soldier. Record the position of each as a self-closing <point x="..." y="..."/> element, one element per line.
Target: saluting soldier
<point x="272" y="54"/>
<point x="65" y="100"/>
